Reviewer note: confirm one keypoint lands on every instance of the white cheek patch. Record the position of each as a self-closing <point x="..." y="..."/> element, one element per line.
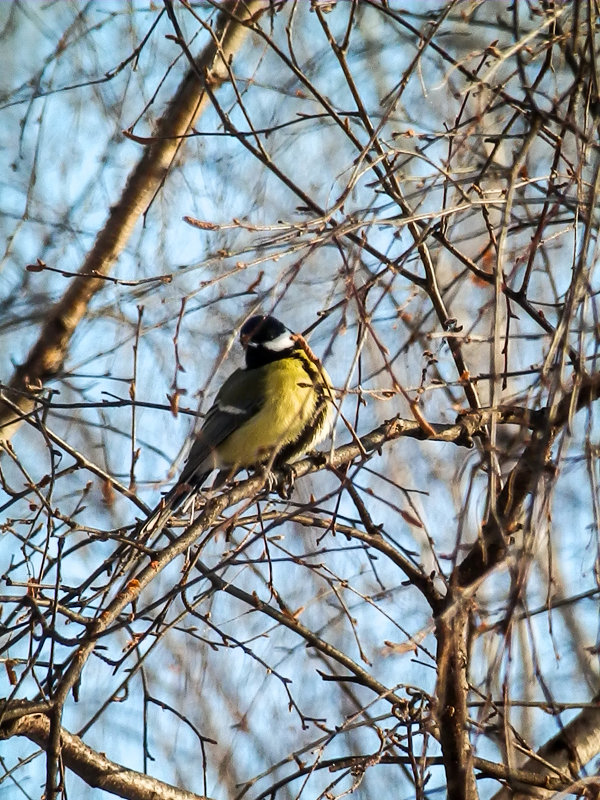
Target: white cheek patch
<point x="282" y="342"/>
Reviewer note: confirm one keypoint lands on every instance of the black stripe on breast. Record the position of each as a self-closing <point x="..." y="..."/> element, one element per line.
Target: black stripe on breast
<point x="304" y="440"/>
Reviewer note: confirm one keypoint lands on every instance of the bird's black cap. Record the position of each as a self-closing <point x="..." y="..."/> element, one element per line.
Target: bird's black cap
<point x="265" y="339"/>
<point x="262" y="329"/>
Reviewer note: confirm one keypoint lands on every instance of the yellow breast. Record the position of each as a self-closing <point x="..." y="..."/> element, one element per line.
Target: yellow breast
<point x="290" y="402"/>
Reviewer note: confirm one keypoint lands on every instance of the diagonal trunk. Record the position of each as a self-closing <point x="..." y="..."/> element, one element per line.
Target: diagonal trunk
<point x="190" y="100"/>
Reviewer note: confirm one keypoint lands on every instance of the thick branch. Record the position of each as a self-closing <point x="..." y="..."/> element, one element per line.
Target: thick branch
<point x="567" y="752"/>
<point x="489" y="550"/>
<point x="490" y="547"/>
<point x="190" y="100"/>
<point x="95" y="768"/>
<point x="451" y="704"/>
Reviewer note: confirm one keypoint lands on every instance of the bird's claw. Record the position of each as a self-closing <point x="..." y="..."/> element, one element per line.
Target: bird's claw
<point x="281" y="481"/>
<point x="285" y="483"/>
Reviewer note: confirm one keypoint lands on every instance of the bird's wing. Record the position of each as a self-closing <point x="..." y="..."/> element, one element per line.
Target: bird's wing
<point x="238" y="400"/>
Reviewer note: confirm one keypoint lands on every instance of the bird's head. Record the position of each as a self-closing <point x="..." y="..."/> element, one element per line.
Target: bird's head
<point x="266" y="339"/>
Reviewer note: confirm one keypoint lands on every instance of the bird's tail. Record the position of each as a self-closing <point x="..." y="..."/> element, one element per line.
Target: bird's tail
<point x="178" y="496"/>
<point x="159" y="516"/>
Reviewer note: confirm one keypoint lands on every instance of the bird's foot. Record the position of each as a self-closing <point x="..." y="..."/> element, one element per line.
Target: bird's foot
<point x="284" y="483"/>
<point x="280" y="481"/>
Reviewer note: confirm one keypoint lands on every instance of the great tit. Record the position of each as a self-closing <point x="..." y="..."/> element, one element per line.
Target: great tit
<point x="267" y="414"/>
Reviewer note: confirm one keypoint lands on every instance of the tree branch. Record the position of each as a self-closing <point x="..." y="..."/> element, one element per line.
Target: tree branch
<point x="48" y="354"/>
<point x="95" y="768"/>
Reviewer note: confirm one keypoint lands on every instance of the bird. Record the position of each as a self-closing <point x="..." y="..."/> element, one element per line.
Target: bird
<point x="267" y="414"/>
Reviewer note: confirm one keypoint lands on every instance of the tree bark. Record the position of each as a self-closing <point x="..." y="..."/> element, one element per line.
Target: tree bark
<point x="95" y="768"/>
<point x="48" y="354"/>
<point x="451" y="702"/>
<point x="570" y="750"/>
